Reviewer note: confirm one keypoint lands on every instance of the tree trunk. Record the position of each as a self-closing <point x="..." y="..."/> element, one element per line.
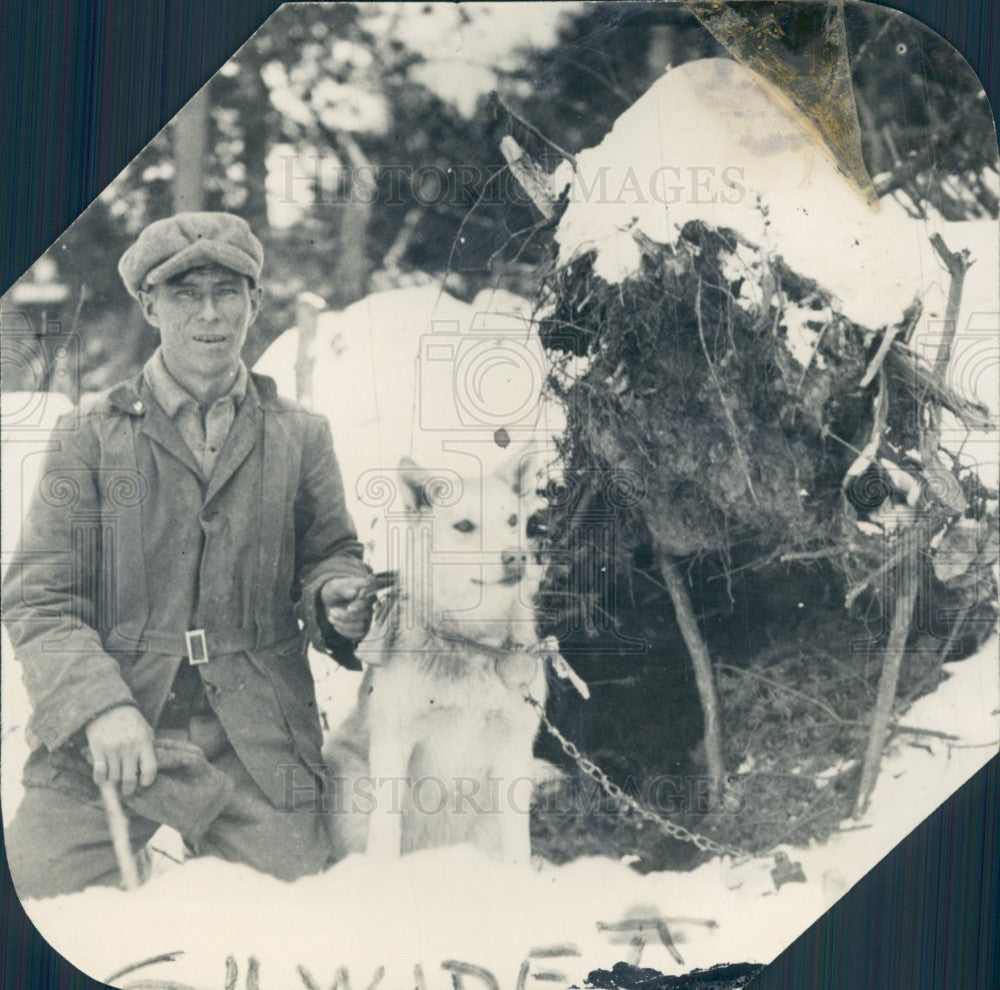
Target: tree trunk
<point x="188" y="134"/>
<point x="350" y="273"/>
<point x="307" y="309"/>
<point x="698" y="650"/>
<point x="902" y="616"/>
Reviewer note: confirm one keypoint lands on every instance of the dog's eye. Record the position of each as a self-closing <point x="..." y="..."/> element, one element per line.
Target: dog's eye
<point x="465" y="526"/>
<point x="512" y="521"/>
<point x="536" y="526"/>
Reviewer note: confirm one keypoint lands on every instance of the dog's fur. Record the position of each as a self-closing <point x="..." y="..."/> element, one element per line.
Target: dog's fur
<point x="441" y="704"/>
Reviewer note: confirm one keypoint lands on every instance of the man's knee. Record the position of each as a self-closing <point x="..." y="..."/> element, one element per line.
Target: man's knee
<point x="57" y="845"/>
<point x="36" y="855"/>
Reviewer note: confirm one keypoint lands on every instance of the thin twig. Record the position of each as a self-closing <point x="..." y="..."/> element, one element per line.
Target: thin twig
<point x="906" y="596"/>
<point x="392" y="257"/>
<point x="909" y="320"/>
<point x="166" y="855"/>
<point x="81" y="299"/>
<point x="627" y="99"/>
<point x="956" y="627"/>
<point x="812" y="554"/>
<point x="702" y="664"/>
<point x="783" y="687"/>
<point x="914" y="730"/>
<point x="457" y="239"/>
<point x="569" y="156"/>
<point x="753" y="565"/>
<point x="744" y="462"/>
<point x="152" y="961"/>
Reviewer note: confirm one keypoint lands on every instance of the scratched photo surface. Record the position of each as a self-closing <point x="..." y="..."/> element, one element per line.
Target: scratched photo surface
<point x="646" y="597"/>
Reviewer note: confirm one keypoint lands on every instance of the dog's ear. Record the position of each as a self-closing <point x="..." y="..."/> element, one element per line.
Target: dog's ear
<point x="414" y="480"/>
<point x="520" y="472"/>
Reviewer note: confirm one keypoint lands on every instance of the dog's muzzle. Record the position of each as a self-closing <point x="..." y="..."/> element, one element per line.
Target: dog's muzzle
<point x="514" y="563"/>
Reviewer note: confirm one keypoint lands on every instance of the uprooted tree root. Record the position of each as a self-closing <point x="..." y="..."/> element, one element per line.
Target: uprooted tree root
<point x="723" y="415"/>
<point x="797" y="686"/>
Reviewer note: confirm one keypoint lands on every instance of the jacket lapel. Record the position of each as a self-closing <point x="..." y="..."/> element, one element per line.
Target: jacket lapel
<point x="241" y="440"/>
<point x="136" y="398"/>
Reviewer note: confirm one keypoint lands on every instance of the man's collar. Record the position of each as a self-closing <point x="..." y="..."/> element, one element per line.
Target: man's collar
<point x="133" y="396"/>
<point x="172" y="396"/>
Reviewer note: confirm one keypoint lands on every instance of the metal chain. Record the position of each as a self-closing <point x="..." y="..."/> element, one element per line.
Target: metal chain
<point x="546" y="650"/>
<point x="595" y="773"/>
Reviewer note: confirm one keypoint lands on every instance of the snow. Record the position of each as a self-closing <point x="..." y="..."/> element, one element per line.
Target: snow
<point x="467" y="48"/>
<point x="454" y="904"/>
<point x="415" y="372"/>
<point x="27" y="421"/>
<point x="707" y="143"/>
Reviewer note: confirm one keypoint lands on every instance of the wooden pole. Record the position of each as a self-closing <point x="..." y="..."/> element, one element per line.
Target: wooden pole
<point x="914" y="540"/>
<point x="704" y="678"/>
<point x="307" y="309"/>
<point x="118" y="825"/>
<point x="189" y="132"/>
<point x="906" y="596"/>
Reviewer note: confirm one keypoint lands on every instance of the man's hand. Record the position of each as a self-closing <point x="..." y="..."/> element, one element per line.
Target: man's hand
<point x="121" y="744"/>
<point x="349" y="602"/>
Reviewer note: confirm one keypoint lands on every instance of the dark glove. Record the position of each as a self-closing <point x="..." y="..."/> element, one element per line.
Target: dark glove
<point x="188" y="793"/>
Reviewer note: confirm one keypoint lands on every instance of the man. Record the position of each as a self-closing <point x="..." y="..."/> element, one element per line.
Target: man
<point x="177" y="538"/>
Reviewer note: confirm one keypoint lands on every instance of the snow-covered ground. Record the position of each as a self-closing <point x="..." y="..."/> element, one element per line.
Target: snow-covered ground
<point x="453" y="904"/>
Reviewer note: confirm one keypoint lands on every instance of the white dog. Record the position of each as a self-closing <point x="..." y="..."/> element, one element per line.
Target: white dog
<point x="439" y="747"/>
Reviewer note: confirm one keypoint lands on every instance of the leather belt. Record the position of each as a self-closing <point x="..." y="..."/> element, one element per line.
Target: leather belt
<point x="199" y="645"/>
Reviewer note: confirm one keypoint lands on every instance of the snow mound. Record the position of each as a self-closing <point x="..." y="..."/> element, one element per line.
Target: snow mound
<point x="415" y="372"/>
<point x="707" y="143"/>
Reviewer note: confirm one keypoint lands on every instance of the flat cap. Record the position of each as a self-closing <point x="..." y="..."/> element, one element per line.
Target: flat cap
<point x="188" y="240"/>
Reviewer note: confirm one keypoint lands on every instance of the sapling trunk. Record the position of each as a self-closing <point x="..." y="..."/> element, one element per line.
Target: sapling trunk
<point x="702" y="663"/>
<point x="902" y="616"/>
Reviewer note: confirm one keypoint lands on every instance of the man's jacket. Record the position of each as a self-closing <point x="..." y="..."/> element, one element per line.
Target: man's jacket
<point x="125" y="548"/>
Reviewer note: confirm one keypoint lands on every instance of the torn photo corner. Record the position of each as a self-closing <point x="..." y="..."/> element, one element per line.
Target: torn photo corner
<point x="660" y="355"/>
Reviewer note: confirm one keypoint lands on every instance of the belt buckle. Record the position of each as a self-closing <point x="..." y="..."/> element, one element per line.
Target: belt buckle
<point x="197" y="646"/>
